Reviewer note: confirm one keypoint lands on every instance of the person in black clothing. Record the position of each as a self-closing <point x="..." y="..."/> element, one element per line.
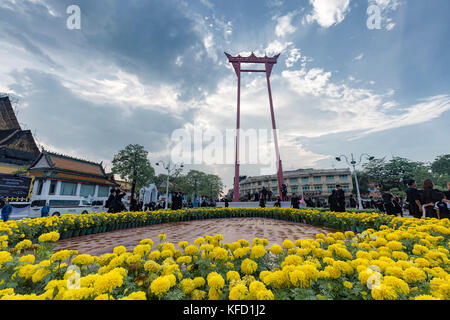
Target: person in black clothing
<point x="429" y="197"/>
<point x="249" y="197"/>
<point x="332" y="201"/>
<point x="373" y="204"/>
<point x="110" y="202"/>
<point x="226" y="203"/>
<point x="397" y="206"/>
<point x="340" y="199"/>
<point x="352" y="201"/>
<point x="388" y="202"/>
<point x="413" y="199"/>
<point x="262" y="203"/>
<point x="269" y="195"/>
<point x="264" y="193"/>
<point x="442" y="207"/>
<point x="284" y="191"/>
<point x="277" y="203"/>
<point x="294" y="202"/>
<point x="256" y="196"/>
<point x="118" y="205"/>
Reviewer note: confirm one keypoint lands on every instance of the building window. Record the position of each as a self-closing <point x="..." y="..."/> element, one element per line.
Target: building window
<point x="275" y="190"/>
<point x="40" y="184"/>
<point x="103" y="192"/>
<point x="317" y="179"/>
<point x="293" y="180"/>
<point x="52" y="190"/>
<point x="343" y="177"/>
<point x="346" y="188"/>
<point x="305" y="179"/>
<point x="330" y="188"/>
<point x="274" y="182"/>
<point x="294" y="189"/>
<point x="259" y="183"/>
<point x="87" y="190"/>
<point x="266" y="183"/>
<point x="330" y="178"/>
<point x="68" y="189"/>
<point x="305" y="188"/>
<point x="318" y="188"/>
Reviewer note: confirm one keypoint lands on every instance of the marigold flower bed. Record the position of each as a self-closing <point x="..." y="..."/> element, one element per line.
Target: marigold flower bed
<point x="391" y="258"/>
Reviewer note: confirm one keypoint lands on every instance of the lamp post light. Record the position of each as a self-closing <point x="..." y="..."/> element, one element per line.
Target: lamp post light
<point x="354" y="164"/>
<point x="169" y="167"/>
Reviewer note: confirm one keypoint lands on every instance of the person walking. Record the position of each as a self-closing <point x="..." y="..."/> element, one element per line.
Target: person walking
<point x="226" y="203"/>
<point x="277" y="203"/>
<point x="6" y="211"/>
<point x="373" y="204"/>
<point x="195" y="203"/>
<point x="332" y="201"/>
<point x="110" y="202"/>
<point x="388" y="203"/>
<point x="264" y="193"/>
<point x="429" y="197"/>
<point x="45" y="211"/>
<point x="294" y="202"/>
<point x="340" y="198"/>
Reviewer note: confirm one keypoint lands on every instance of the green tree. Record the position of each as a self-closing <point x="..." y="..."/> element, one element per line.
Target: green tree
<point x="441" y="165"/>
<point x="132" y="165"/>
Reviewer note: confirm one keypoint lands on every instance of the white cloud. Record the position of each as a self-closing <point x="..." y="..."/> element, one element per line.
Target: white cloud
<point x="294" y="56"/>
<point x="284" y="26"/>
<point x="359" y="57"/>
<point x="386" y="7"/>
<point x="276" y="47"/>
<point x="328" y="12"/>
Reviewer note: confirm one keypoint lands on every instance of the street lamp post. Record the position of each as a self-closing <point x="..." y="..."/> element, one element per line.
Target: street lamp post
<point x="169" y="167"/>
<point x="354" y="164"/>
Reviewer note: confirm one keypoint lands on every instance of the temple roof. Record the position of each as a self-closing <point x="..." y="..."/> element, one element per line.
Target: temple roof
<point x="56" y="162"/>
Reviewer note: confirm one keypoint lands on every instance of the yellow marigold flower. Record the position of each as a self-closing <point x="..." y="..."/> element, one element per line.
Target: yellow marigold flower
<point x="147" y="242"/>
<point x="292" y="260"/>
<point x="400" y="255"/>
<point x="288" y="244"/>
<point x="256" y="286"/>
<point x="414" y="275"/>
<point x="139" y="295"/>
<point x="264" y="295"/>
<point x="198" y="294"/>
<point x="40" y="274"/>
<point x="398" y="284"/>
<point x="215" y="280"/>
<point x="426" y="297"/>
<point x="89" y="280"/>
<point x="49" y="237"/>
<point x="142" y="249"/>
<point x="61" y="255"/>
<point x="248" y="266"/>
<point x="419" y="250"/>
<point x="238" y="292"/>
<point x="104" y="297"/>
<point x="78" y="294"/>
<point x="421" y="262"/>
<point x="119" y="250"/>
<point x="184" y="259"/>
<point x="187" y="285"/>
<point x="191" y="250"/>
<point x="162" y="236"/>
<point x="219" y="253"/>
<point x="320" y="236"/>
<point x="199" y="282"/>
<point x="244" y="243"/>
<point x="135" y="258"/>
<point x="332" y="272"/>
<point x="349" y="234"/>
<point x="5" y="292"/>
<point x="214" y="294"/>
<point x="28" y="258"/>
<point x="384" y="292"/>
<point x="348" y="284"/>
<point x="24" y="244"/>
<point x="154" y="255"/>
<point x="299" y="278"/>
<point x="182" y="244"/>
<point x="233" y="275"/>
<point x="166" y="253"/>
<point x="83" y="260"/>
<point x="257" y="251"/>
<point x="394" y="245"/>
<point x="199" y="241"/>
<point x="276" y="249"/>
<point x="107" y="282"/>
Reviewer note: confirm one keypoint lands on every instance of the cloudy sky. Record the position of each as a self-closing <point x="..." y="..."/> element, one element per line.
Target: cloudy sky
<point x="137" y="70"/>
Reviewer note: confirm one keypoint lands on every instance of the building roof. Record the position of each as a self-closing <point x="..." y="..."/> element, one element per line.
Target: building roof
<point x="56" y="162"/>
<point x="298" y="172"/>
<point x="8" y="118"/>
